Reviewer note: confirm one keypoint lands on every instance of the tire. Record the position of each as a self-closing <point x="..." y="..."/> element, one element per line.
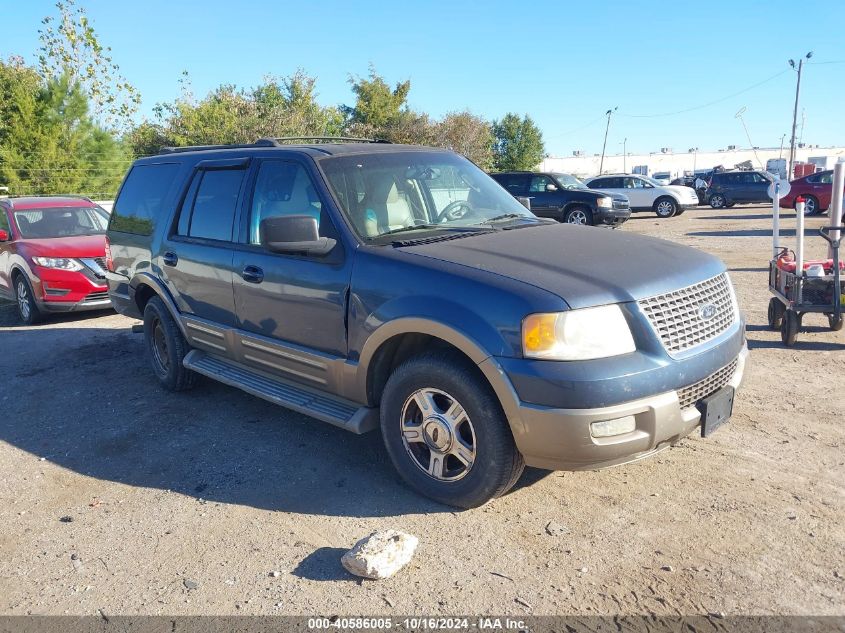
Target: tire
<point x="25" y="299"/>
<point x="665" y="207"/>
<point x="166" y="347"/>
<point x="789" y="328"/>
<point x="579" y="215"/>
<point x="775" y="314"/>
<point x="811" y="206"/>
<point x="730" y="205"/>
<point x="717" y="201"/>
<point x="424" y="448"/>
<point x="834" y="324"/>
<point x="679" y="212"/>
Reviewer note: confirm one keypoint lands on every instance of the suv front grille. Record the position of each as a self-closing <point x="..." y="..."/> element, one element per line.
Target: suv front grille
<point x="96" y="297"/>
<point x="620" y="204"/>
<point x="691" y="316"/>
<point x="688" y="396"/>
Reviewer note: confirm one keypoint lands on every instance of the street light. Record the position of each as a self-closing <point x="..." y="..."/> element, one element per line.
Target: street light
<point x="694" y="152"/>
<point x="795" y="112"/>
<point x="604" y="146"/>
<point x="624" y="155"/>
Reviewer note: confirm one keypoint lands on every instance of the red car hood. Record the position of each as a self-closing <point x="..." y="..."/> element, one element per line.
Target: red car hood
<point x="79" y="246"/>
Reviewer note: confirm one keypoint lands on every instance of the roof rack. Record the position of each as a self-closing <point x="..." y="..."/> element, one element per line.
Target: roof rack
<point x="282" y="140"/>
<point x="278" y="141"/>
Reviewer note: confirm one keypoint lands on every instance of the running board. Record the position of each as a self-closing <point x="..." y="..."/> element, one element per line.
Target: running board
<point x="337" y="411"/>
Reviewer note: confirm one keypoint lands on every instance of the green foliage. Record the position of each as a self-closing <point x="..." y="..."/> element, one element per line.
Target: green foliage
<point x="70" y="48"/>
<point x="49" y="142"/>
<point x="467" y="134"/>
<point x="518" y="143"/>
<point x="376" y="104"/>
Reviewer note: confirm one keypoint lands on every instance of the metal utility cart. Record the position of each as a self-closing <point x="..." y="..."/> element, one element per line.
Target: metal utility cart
<point x="800" y="287"/>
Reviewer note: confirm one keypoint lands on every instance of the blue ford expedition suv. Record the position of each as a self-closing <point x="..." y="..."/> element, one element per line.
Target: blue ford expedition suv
<point x="372" y="285"/>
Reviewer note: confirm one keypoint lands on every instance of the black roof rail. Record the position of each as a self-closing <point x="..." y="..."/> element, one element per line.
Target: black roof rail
<point x="278" y="141"/>
<point x="282" y="140"/>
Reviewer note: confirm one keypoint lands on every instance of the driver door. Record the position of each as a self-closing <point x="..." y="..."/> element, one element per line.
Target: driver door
<point x="639" y="192"/>
<point x="544" y="203"/>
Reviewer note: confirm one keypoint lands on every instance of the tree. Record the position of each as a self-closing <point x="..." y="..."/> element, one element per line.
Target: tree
<point x="71" y="48"/>
<point x="518" y="143"/>
<point x="49" y="142"/>
<point x="376" y="105"/>
<point x="467" y="134"/>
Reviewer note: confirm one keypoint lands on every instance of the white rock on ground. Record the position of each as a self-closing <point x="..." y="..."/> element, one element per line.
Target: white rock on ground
<point x="381" y="554"/>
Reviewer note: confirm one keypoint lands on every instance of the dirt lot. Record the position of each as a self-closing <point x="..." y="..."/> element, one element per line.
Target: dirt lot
<point x="117" y="497"/>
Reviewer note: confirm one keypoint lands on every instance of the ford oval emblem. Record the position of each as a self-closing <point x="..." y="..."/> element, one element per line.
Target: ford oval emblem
<point x="706" y="311"/>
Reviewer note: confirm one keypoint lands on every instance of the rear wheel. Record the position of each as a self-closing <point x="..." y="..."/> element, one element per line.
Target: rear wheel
<point x="665" y="207"/>
<point x="166" y="347"/>
<point x="789" y="328"/>
<point x="579" y="215"/>
<point x="24" y="297"/>
<point x="446" y="433"/>
<point x="811" y="205"/>
<point x="775" y="313"/>
<point x="717" y="201"/>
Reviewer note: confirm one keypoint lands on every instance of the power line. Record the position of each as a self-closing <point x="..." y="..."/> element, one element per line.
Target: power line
<point x="708" y="104"/>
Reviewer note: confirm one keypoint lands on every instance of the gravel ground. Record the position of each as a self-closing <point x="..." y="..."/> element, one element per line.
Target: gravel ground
<point x="119" y="498"/>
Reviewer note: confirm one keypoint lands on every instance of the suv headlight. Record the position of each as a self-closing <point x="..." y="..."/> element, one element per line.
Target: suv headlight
<point x="577" y="334"/>
<point x="604" y="201"/>
<point x="62" y="263"/>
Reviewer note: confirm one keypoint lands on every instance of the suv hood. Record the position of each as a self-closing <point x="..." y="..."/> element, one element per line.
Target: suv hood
<point x="77" y="246"/>
<point x="584" y="266"/>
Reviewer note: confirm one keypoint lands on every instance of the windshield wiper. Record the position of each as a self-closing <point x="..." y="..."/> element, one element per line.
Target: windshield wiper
<point x="505" y="216"/>
<point x="412" y="227"/>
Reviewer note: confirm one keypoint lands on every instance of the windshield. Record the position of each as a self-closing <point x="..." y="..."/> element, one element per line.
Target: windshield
<point x="417" y="193"/>
<point x="651" y="181"/>
<point x="61" y="222"/>
<point x="568" y="181"/>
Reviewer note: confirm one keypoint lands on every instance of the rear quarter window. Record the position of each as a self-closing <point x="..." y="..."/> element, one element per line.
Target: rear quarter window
<point x="141" y="199"/>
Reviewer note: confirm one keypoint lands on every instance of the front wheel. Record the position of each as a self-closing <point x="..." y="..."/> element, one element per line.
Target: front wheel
<point x="446" y="433"/>
<point x="579" y="215"/>
<point x="717" y="201"/>
<point x="24" y="297"/>
<point x="811" y="205"/>
<point x="665" y="208"/>
<point x="789" y="328"/>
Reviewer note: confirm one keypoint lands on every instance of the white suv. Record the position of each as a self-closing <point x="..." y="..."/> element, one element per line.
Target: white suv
<point x="646" y="194"/>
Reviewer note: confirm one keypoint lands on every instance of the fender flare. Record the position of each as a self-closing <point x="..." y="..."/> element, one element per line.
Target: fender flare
<point x="161" y="291"/>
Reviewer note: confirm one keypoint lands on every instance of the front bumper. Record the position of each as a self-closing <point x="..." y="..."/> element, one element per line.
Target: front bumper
<point x="611" y="217"/>
<point x="560" y="439"/>
<point x="68" y="291"/>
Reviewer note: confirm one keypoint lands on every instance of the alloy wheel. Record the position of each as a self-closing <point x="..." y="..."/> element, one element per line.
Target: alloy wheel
<point x="577" y="217"/>
<point x="665" y="209"/>
<point x="23" y="300"/>
<point x="438" y="434"/>
<point x="809" y="206"/>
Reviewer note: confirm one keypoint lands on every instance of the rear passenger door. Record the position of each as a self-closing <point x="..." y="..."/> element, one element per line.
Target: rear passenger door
<point x="196" y="257"/>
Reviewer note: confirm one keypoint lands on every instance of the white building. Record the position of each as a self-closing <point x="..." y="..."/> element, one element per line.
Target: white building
<point x="677" y="163"/>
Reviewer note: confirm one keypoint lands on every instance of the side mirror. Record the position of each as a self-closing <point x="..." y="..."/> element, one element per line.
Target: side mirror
<point x="551" y="187"/>
<point x="4" y="236"/>
<point x="525" y="202"/>
<point x="294" y="234"/>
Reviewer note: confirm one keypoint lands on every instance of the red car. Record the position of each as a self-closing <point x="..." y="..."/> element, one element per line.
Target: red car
<point x="53" y="255"/>
<point x="816" y="188"/>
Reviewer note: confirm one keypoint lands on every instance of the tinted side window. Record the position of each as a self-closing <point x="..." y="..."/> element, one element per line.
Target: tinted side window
<point x="211" y="210"/>
<point x="599" y="183"/>
<point x="282" y="188"/>
<point x="826" y="178"/>
<point x="514" y="183"/>
<point x="4" y="220"/>
<point x="141" y="198"/>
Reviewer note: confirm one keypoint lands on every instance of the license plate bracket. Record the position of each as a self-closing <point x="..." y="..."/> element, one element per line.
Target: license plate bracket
<point x="716" y="409"/>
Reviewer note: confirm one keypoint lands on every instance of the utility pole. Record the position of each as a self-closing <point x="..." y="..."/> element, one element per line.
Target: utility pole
<point x="604" y="146"/>
<point x="783" y="136"/>
<point x="795" y="112"/>
<point x="625" y="155"/>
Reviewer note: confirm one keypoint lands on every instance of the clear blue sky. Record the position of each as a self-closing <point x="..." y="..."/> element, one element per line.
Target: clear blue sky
<point x="564" y="63"/>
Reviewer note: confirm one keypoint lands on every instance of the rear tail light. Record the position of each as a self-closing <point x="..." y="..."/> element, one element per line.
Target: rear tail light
<point x="109" y="260"/>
